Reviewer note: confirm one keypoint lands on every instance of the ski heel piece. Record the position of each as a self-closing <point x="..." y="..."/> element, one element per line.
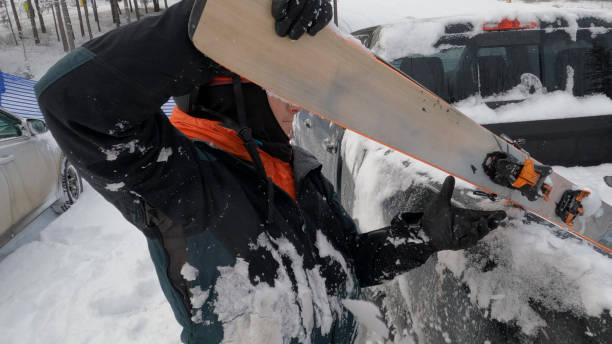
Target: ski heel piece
<point x="570" y="205"/>
<point x="528" y="177"/>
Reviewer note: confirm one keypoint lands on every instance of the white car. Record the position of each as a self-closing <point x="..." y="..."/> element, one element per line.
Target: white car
<point x="34" y="174"/>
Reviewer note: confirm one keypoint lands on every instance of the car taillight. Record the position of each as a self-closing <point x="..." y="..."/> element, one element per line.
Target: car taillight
<point x="507" y="24"/>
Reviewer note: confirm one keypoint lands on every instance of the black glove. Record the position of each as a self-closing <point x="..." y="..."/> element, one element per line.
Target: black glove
<point x="294" y="17"/>
<point x="452" y="228"/>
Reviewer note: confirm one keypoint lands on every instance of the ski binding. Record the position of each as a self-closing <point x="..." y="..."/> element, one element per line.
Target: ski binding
<point x="529" y="178"/>
<point x="570" y="205"/>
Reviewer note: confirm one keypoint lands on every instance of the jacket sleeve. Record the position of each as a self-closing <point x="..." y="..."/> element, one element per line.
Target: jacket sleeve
<point x="380" y="255"/>
<point x="102" y="104"/>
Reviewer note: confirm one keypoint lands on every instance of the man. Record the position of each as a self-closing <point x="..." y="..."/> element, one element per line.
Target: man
<point x="248" y="239"/>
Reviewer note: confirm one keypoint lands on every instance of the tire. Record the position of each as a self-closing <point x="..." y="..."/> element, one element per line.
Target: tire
<point x="71" y="187"/>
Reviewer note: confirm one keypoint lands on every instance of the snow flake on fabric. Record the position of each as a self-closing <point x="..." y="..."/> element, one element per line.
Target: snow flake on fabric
<point x="278" y="313"/>
<point x="189" y="273"/>
<point x="326" y="249"/>
<point x="368" y="315"/>
<point x="164" y="154"/>
<point x="114" y="187"/>
<point x="256" y="314"/>
<point x="114" y="151"/>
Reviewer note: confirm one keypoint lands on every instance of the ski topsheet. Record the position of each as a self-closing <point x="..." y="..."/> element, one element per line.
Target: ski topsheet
<point x="335" y="77"/>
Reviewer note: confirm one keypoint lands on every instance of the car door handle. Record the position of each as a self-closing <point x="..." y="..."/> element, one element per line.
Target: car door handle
<point x="6" y="159"/>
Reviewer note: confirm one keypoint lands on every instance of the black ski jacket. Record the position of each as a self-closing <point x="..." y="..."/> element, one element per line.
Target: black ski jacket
<point x="227" y="274"/>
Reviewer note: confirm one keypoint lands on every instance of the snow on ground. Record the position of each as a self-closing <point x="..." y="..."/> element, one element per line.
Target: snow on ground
<point x="88" y="279"/>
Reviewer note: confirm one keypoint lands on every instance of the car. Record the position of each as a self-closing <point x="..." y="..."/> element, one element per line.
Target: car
<point x="430" y="304"/>
<point x="474" y="60"/>
<point x="34" y="174"/>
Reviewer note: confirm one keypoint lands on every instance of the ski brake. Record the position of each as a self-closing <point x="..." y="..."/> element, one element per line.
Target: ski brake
<point x="528" y="177"/>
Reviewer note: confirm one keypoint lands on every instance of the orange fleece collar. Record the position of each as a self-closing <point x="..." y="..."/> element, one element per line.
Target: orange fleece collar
<point x="228" y="140"/>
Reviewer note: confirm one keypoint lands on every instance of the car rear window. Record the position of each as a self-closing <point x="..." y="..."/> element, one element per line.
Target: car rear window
<point x="508" y="66"/>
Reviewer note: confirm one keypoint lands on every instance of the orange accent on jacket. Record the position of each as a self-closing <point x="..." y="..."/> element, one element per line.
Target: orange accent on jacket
<point x="225" y="80"/>
<point x="228" y="140"/>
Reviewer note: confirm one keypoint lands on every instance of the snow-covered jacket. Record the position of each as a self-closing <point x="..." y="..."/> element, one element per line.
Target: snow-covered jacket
<point x="228" y="275"/>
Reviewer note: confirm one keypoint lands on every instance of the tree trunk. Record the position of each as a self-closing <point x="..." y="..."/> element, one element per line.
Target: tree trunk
<point x="166" y="3"/>
<point x="127" y="10"/>
<point x="43" y="29"/>
<point x="68" y="22"/>
<point x="155" y="5"/>
<point x="55" y="23"/>
<point x="136" y="9"/>
<point x="115" y="12"/>
<point x="60" y="25"/>
<point x="145" y="5"/>
<point x="95" y="12"/>
<point x="17" y="22"/>
<point x="86" y="10"/>
<point x="32" y="16"/>
<point x="336" y="12"/>
<point x="130" y="4"/>
<point x="10" y="23"/>
<point x="82" y="27"/>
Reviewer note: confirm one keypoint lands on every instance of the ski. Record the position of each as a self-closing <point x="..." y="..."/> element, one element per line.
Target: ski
<point x="335" y="77"/>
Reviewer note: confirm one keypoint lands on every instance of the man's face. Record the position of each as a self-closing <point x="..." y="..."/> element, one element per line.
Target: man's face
<point x="284" y="113"/>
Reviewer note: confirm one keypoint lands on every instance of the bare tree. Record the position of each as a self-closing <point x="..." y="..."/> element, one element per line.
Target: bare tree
<point x="94" y="6"/>
<point x="17" y="22"/>
<point x="40" y="17"/>
<point x="55" y="23"/>
<point x="67" y="21"/>
<point x="115" y="12"/>
<point x="31" y="15"/>
<point x="127" y="10"/>
<point x="145" y="6"/>
<point x="78" y="6"/>
<point x="60" y="25"/>
<point x="8" y="17"/>
<point x="155" y="5"/>
<point x="336" y="12"/>
<point x="136" y="9"/>
<point x="87" y="18"/>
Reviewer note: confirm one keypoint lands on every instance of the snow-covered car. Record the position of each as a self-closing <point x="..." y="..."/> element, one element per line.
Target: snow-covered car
<point x="524" y="283"/>
<point x="34" y="174"/>
<point x="542" y="78"/>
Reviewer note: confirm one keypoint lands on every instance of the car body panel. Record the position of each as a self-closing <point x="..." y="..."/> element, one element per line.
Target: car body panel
<point x="30" y="176"/>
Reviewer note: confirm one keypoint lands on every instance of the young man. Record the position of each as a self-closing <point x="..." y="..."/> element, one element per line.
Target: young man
<point x="249" y="240"/>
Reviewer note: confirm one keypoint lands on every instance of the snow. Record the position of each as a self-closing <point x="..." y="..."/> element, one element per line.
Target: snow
<point x="189" y="273"/>
<point x="114" y="187"/>
<point x="359" y="14"/>
<point x="164" y="154"/>
<point x="558" y="104"/>
<point x="532" y="264"/>
<point x="590" y="176"/>
<point x="87" y="279"/>
<point x="369" y="316"/>
<point x="568" y="275"/>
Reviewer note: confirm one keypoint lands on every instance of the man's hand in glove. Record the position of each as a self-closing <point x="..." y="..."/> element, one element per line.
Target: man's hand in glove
<point x="294" y="17"/>
<point x="452" y="228"/>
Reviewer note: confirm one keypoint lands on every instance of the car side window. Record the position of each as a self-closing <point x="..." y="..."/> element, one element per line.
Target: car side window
<point x="8" y="127"/>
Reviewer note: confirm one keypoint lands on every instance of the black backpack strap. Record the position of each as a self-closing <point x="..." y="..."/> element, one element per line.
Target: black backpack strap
<point x="246" y="134"/>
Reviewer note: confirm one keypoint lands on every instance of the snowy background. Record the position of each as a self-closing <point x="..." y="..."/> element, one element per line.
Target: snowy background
<point x="86" y="276"/>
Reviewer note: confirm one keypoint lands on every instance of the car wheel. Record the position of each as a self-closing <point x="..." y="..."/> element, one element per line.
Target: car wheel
<point x="72" y="187"/>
